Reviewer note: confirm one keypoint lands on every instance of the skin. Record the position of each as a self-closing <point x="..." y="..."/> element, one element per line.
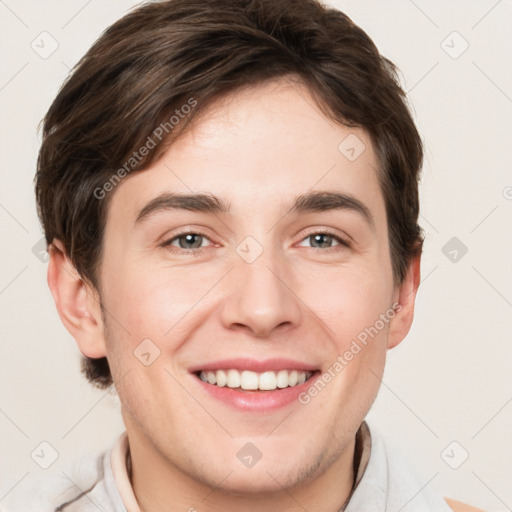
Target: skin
<point x="295" y="301"/>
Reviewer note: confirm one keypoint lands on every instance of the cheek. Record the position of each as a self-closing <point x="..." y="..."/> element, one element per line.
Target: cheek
<point x="154" y="301"/>
<point x="348" y="301"/>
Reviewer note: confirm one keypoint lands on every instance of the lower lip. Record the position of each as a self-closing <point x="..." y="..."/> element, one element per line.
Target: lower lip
<point x="257" y="400"/>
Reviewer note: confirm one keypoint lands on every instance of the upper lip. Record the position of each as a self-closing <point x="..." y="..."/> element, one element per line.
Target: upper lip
<point x="254" y="365"/>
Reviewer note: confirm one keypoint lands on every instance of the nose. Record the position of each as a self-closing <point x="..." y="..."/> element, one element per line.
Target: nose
<point x="260" y="297"/>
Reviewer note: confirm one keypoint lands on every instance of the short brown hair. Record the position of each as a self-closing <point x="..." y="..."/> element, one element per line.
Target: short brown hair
<point x="153" y="61"/>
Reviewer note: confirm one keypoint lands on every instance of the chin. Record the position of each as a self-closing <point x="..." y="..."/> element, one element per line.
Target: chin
<point x="261" y="481"/>
<point x="268" y="475"/>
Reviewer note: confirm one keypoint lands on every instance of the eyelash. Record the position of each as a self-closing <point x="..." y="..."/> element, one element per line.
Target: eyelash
<point x="195" y="252"/>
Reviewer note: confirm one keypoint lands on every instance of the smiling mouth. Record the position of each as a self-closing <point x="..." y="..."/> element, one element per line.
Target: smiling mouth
<point x="246" y="380"/>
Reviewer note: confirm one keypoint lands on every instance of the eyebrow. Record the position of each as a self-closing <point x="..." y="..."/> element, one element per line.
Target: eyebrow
<point x="208" y="203"/>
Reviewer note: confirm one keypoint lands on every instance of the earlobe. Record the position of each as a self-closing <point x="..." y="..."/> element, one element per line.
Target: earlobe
<point x="405" y="298"/>
<point x="77" y="303"/>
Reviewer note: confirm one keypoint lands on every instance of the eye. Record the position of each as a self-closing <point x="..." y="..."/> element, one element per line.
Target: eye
<point x="324" y="240"/>
<point x="191" y="242"/>
<point x="188" y="242"/>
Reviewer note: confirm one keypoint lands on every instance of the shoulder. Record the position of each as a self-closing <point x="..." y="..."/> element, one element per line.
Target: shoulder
<point x="459" y="506"/>
<point x="72" y="487"/>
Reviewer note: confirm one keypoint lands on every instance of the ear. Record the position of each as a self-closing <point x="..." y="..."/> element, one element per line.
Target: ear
<point x="404" y="299"/>
<point x="77" y="302"/>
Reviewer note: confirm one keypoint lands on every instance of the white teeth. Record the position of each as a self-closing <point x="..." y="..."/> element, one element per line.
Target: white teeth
<point x="233" y="379"/>
<point x="248" y="380"/>
<point x="267" y="380"/>
<point x="222" y="378"/>
<point x="282" y="379"/>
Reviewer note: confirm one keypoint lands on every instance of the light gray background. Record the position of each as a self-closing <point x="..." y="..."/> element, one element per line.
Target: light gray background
<point x="450" y="380"/>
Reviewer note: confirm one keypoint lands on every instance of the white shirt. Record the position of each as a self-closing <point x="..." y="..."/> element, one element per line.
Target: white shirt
<point x="385" y="482"/>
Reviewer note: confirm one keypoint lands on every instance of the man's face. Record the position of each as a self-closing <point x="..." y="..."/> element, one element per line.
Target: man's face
<point x="270" y="283"/>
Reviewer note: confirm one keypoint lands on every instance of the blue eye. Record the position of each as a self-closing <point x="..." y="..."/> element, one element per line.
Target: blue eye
<point x="191" y="242"/>
<point x="324" y="241"/>
<point x="188" y="242"/>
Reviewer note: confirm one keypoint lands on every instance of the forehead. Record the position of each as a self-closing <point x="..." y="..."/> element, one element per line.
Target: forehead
<point x="259" y="149"/>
